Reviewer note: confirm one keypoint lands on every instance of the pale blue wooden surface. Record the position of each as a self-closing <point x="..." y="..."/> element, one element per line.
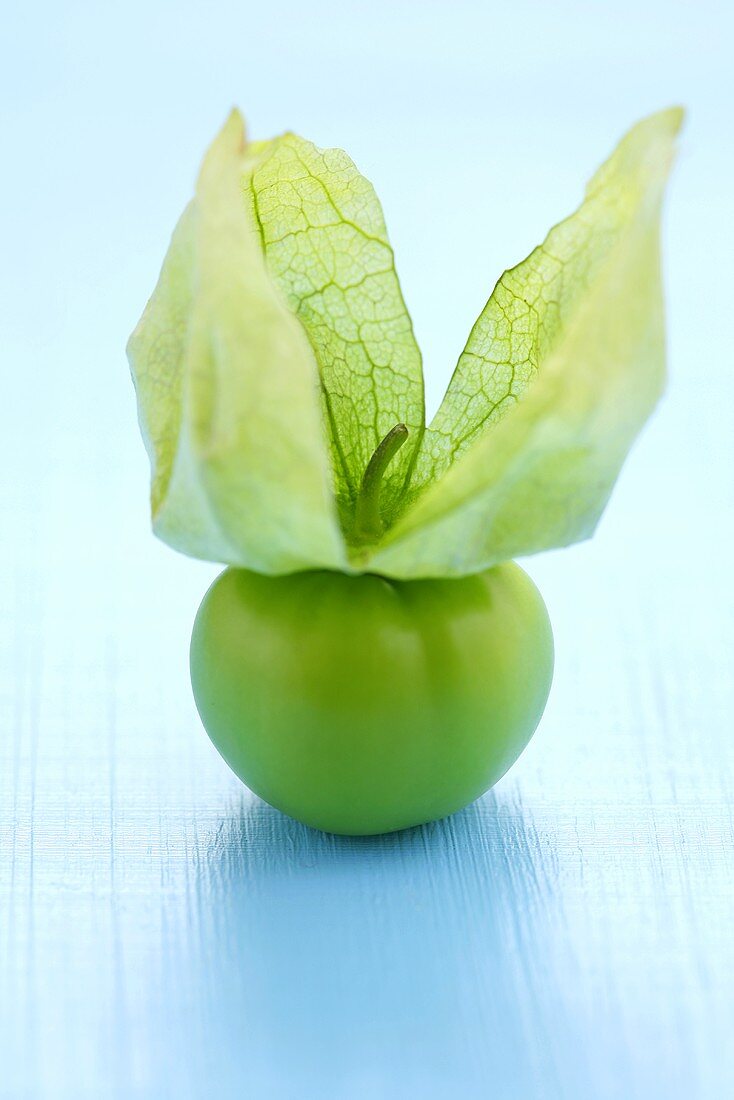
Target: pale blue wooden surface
<point x="164" y="934"/>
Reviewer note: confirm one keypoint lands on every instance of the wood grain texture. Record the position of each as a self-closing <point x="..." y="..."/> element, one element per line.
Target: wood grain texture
<point x="163" y="934"/>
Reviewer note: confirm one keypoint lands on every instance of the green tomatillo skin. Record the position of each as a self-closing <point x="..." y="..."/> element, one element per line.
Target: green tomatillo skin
<point x="362" y="705"/>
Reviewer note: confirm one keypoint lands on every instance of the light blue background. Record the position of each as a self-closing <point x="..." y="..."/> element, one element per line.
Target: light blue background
<point x="161" y="932"/>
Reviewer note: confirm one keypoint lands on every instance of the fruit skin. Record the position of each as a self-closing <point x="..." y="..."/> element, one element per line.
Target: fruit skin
<point x="361" y="705"/>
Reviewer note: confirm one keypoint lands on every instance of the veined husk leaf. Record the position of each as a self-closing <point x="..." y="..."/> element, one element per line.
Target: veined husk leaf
<point x="560" y="372"/>
<point x="228" y="392"/>
<point x="326" y="246"/>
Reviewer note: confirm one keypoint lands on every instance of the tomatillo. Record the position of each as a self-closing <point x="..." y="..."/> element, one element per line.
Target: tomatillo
<point x="361" y="704"/>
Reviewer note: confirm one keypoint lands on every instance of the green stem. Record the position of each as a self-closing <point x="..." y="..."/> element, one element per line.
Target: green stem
<point x="368" y="521"/>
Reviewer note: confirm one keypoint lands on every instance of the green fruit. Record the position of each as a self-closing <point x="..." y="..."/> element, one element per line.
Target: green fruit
<point x="361" y="705"/>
